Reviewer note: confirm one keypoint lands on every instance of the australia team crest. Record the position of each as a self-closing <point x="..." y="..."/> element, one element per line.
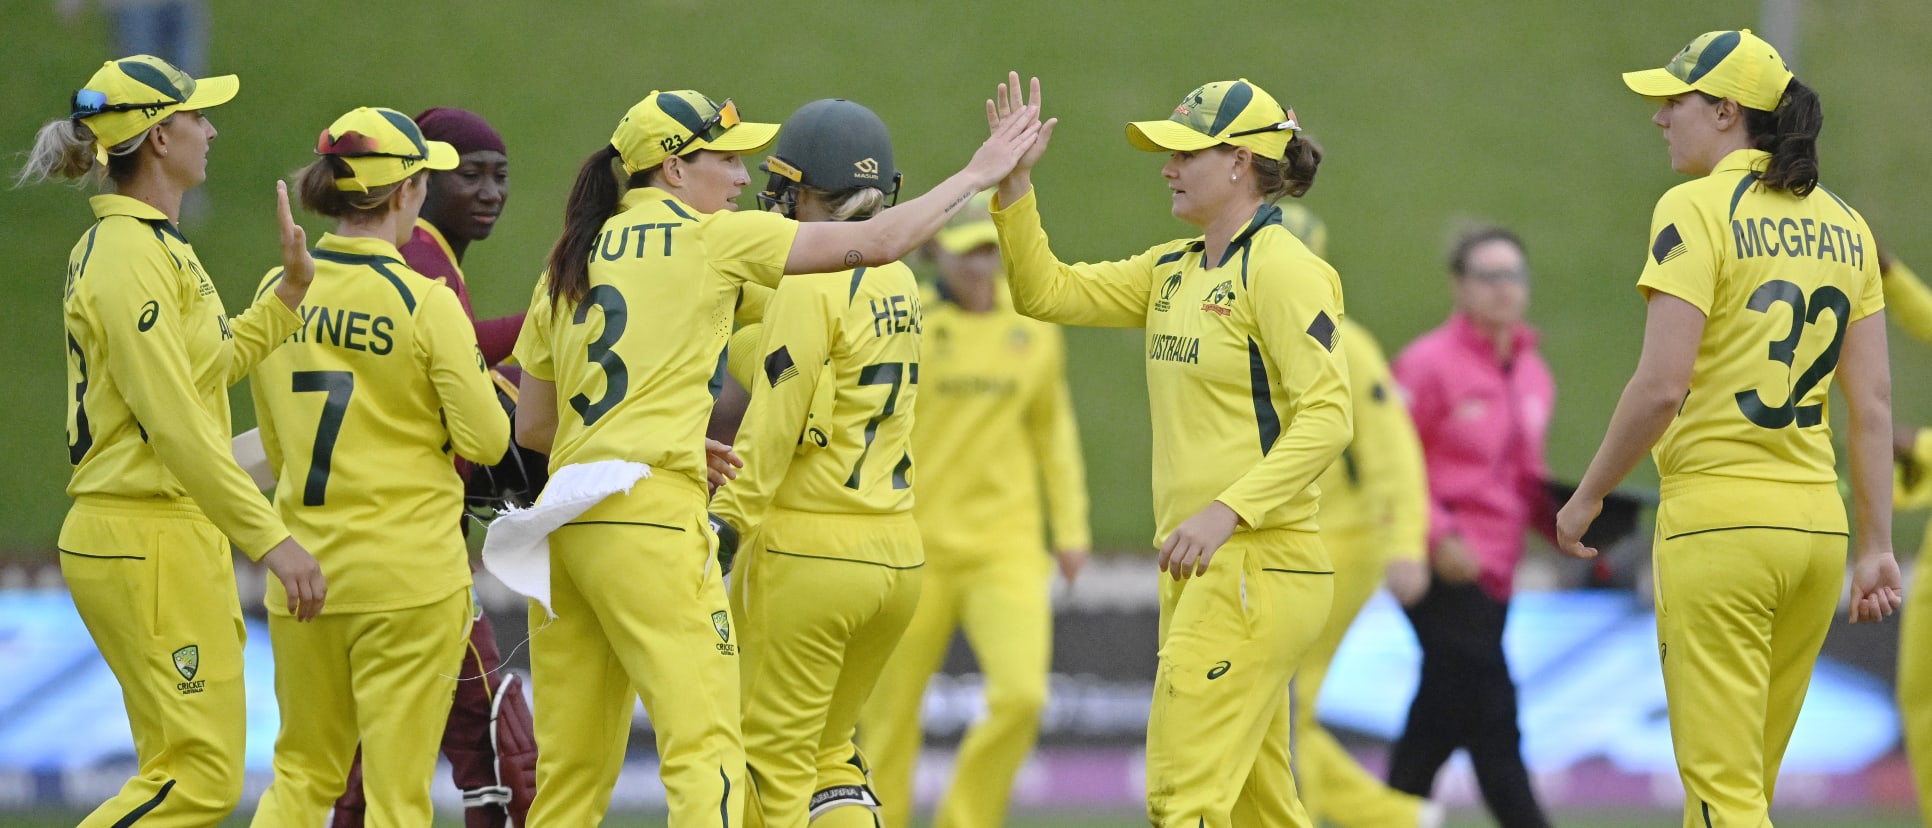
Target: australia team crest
<point x="187" y="661"/>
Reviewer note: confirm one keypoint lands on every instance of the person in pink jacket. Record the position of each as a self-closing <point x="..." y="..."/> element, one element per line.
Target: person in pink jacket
<point x="1481" y="398"/>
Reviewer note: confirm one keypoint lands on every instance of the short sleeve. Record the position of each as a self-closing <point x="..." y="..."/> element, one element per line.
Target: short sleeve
<point x="749" y="246"/>
<point x="1871" y="292"/>
<point x="1683" y="257"/>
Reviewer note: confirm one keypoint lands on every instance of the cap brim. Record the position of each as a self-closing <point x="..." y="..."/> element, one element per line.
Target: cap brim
<point x="1656" y="83"/>
<point x="214" y="91"/>
<point x="442" y="156"/>
<point x="1167" y="136"/>
<point x="745" y="137"/>
<point x="968" y="237"/>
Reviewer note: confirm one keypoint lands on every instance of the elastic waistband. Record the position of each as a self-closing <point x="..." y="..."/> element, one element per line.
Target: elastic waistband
<point x="174" y="507"/>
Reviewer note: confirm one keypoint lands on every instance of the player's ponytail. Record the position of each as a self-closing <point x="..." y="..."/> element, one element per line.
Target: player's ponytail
<point x="593" y="200"/>
<point x="1790" y="134"/>
<point x="315" y="189"/>
<point x="64" y="150"/>
<point x="1290" y="176"/>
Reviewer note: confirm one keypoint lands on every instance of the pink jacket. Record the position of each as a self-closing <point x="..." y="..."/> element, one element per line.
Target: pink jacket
<point x="1483" y="424"/>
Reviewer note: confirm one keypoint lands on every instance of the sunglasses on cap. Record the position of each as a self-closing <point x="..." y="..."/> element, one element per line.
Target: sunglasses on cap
<point x="90" y="102"/>
<point x="1278" y="126"/>
<point x="725" y="118"/>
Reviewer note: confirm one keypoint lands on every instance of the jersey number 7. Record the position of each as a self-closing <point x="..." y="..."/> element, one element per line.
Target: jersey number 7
<point x="897" y="375"/>
<point x="340" y="385"/>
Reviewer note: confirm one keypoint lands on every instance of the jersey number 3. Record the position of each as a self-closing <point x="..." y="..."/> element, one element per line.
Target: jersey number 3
<point x="1826" y="298"/>
<point x="617" y="377"/>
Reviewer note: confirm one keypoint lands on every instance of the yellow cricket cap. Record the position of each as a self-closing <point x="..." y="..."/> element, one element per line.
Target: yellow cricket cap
<point x="972" y="228"/>
<point x="1734" y="64"/>
<point x="126" y="97"/>
<point x="381" y="147"/>
<point x="1307" y="226"/>
<point x="680" y="122"/>
<point x="1224" y="112"/>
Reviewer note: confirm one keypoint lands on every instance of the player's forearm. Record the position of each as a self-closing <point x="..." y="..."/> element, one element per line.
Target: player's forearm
<point x="1866" y="383"/>
<point x="258" y="331"/>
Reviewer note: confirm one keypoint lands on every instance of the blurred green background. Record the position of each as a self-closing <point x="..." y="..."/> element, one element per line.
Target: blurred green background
<point x="1431" y="114"/>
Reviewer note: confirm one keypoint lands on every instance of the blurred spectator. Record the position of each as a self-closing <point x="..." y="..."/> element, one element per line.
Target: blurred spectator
<point x="174" y="30"/>
<point x="1481" y="398"/>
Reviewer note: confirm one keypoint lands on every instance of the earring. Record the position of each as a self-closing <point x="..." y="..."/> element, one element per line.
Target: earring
<point x="1235" y="177"/>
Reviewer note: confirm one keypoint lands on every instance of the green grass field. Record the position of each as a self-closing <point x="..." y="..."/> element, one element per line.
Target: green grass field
<point x="1507" y="111"/>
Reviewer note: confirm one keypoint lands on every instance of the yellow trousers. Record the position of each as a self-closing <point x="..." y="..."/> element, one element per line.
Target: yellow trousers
<point x="1230" y="642"/>
<point x="154" y="583"/>
<point x="641" y="613"/>
<point x="1915" y="682"/>
<point x="1007" y="615"/>
<point x="1334" y="787"/>
<point x="381" y="679"/>
<point x="1741" y="615"/>
<point x="818" y="628"/>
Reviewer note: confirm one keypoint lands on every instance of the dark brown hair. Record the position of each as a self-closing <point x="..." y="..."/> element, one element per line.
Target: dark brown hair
<point x="1290" y="176"/>
<point x="593" y="200"/>
<point x="1790" y="134"/>
<point x="315" y="187"/>
<point x="1476" y="236"/>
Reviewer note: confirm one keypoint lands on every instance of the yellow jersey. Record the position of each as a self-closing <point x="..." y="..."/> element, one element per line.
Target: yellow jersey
<point x="1379" y="484"/>
<point x="359" y="412"/>
<point x="634" y="360"/>
<point x="1779" y="279"/>
<point x="1246" y="382"/>
<point x="834" y="379"/>
<point x="996" y="440"/>
<point x="1908" y="302"/>
<point x="150" y="355"/>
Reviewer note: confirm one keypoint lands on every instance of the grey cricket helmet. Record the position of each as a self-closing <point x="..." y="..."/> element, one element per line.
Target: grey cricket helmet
<point x="831" y="145"/>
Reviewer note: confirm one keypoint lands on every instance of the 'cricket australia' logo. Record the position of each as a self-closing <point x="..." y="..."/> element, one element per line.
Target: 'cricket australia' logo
<point x="1220" y="300"/>
<point x="1168" y="289"/>
<point x="721" y="621"/>
<point x="187" y="662"/>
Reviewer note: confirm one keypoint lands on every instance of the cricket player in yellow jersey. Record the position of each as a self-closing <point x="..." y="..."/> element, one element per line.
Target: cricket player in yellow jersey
<point x="158" y="498"/>
<point x="1374" y="521"/>
<point x="828" y="573"/>
<point x="1909" y="303"/>
<point x="359" y="413"/>
<point x="1762" y="288"/>
<point x="995" y="435"/>
<point x="618" y="350"/>
<point x="1248" y="391"/>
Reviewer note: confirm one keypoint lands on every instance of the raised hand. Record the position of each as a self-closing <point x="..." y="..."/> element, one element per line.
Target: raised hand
<point x="1013" y="136"/>
<point x="1007" y="105"/>
<point x="298" y="268"/>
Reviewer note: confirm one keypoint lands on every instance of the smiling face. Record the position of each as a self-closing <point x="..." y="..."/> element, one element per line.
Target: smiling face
<point x="707" y="180"/>
<point x="1700" y="132"/>
<point x="464" y="203"/>
<point x="1202" y="184"/>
